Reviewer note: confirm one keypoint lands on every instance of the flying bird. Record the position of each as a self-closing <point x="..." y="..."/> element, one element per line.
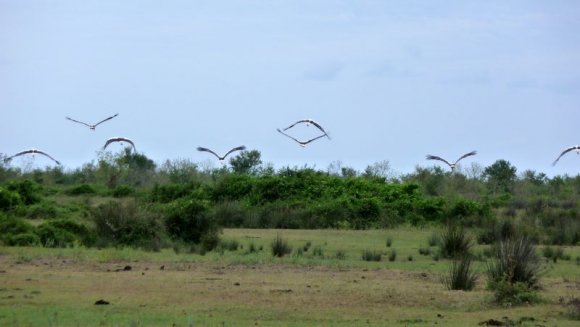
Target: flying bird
<point x="33" y="152"/>
<point x="307" y="122"/>
<point x="451" y="164"/>
<point x="119" y="139"/>
<point x="302" y="143"/>
<point x="95" y="125"/>
<point x="239" y="148"/>
<point x="572" y="148"/>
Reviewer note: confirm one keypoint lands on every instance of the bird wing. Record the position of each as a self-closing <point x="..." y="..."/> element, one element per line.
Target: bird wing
<point x="279" y="131"/>
<point x="199" y="148"/>
<point x="310" y="121"/>
<point x="313" y="139"/>
<point x="80" y="122"/>
<point x="563" y="153"/>
<point x="104" y="120"/>
<point x="472" y="153"/>
<point x="38" y="151"/>
<point x="239" y="148"/>
<point x="296" y="123"/>
<point x="430" y="157"/>
<point x="19" y="154"/>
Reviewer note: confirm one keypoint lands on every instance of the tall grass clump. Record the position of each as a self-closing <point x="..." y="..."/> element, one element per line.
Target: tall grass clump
<point x="461" y="276"/>
<point x="514" y="271"/>
<point x="280" y="247"/>
<point x="371" y="255"/>
<point x="454" y="242"/>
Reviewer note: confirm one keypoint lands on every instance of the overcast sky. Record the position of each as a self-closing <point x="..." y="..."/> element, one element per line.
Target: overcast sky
<point x="389" y="80"/>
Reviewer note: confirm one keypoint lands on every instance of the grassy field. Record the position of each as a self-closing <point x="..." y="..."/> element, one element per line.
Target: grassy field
<point x="328" y="284"/>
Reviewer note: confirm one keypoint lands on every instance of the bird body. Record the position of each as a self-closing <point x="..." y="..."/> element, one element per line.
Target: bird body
<point x="302" y="143"/>
<point x="307" y="122"/>
<point x="92" y="127"/>
<point x="119" y="139"/>
<point x="33" y="152"/>
<point x="572" y="148"/>
<point x="451" y="165"/>
<point x="221" y="158"/>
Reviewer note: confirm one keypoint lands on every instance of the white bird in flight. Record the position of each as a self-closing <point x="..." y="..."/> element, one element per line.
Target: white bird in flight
<point x="95" y="125"/>
<point x="119" y="139"/>
<point x="572" y="148"/>
<point x="33" y="152"/>
<point x="451" y="164"/>
<point x="302" y="143"/>
<point x="221" y="158"/>
<point x="307" y="122"/>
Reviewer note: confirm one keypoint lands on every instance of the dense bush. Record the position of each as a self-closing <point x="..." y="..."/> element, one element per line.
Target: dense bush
<point x="8" y="199"/>
<point x="189" y="220"/>
<point x="127" y="223"/>
<point x="11" y="227"/>
<point x="29" y="191"/>
<point x="81" y="190"/>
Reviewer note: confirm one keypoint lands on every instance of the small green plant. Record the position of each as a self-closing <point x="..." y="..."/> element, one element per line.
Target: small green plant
<point x="230" y="245"/>
<point x="392" y="255"/>
<point x="307" y="246"/>
<point x="318" y="252"/>
<point x="424" y="251"/>
<point x="340" y="255"/>
<point x="280" y="247"/>
<point x="434" y="239"/>
<point x="573" y="307"/>
<point x="513" y="293"/>
<point x="410" y="258"/>
<point x="389" y="241"/>
<point x="371" y="255"/>
<point x="461" y="275"/>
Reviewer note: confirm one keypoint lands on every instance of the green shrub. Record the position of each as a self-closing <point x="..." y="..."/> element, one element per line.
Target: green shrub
<point x="9" y="199"/>
<point x="42" y="210"/>
<point x="12" y="226"/>
<point x="515" y="261"/>
<point x="127" y="224"/>
<point x="425" y="251"/>
<point x="81" y="232"/>
<point x="189" y="220"/>
<point x="318" y="252"/>
<point x="434" y="239"/>
<point x="81" y="190"/>
<point x="280" y="247"/>
<point x="54" y="237"/>
<point x="371" y="255"/>
<point x="513" y="293"/>
<point x="461" y="275"/>
<point x="122" y="191"/>
<point x="454" y="242"/>
<point x="230" y="214"/>
<point x="24" y="239"/>
<point x="29" y="191"/>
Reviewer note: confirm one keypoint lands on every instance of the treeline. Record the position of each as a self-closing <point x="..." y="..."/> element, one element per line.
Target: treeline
<point x="127" y="199"/>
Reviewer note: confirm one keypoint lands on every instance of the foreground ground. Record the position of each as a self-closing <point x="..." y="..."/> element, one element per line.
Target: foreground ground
<point x="59" y="287"/>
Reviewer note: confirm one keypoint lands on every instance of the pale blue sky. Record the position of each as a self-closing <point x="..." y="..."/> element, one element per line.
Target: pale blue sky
<point x="390" y="80"/>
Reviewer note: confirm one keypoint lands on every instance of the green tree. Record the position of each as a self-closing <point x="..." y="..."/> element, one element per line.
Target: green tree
<point x="500" y="176"/>
<point x="247" y="162"/>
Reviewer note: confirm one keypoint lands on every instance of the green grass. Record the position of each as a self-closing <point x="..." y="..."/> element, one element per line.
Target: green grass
<point x="58" y="287"/>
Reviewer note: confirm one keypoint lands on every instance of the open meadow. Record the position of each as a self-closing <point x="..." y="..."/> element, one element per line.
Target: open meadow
<point x="323" y="282"/>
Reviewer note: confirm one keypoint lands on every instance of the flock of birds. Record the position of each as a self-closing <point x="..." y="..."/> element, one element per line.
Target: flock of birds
<point x="303" y="143"/>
